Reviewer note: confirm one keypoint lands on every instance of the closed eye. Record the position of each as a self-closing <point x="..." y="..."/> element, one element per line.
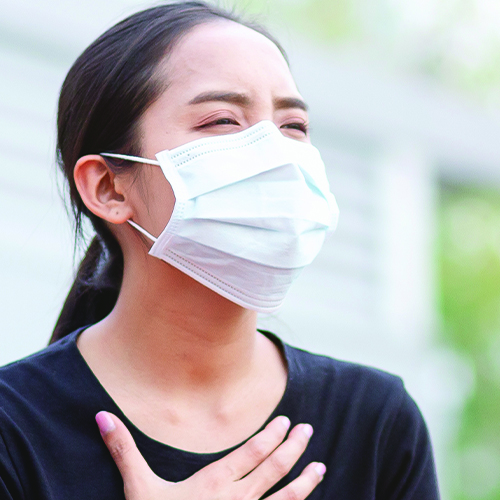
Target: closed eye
<point x="219" y="121"/>
<point x="296" y="130"/>
<point x="303" y="127"/>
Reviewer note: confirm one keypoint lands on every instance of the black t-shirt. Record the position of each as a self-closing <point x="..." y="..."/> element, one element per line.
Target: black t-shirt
<point x="368" y="431"/>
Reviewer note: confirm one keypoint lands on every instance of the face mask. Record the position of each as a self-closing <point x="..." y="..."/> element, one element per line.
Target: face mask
<point x="251" y="211"/>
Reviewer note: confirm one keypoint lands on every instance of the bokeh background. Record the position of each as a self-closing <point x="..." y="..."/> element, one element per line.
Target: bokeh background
<point x="405" y="107"/>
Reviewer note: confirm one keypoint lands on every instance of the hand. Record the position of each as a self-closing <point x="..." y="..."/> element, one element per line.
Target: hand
<point x="265" y="455"/>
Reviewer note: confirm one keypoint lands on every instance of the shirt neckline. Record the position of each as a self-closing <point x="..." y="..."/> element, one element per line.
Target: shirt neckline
<point x="153" y="449"/>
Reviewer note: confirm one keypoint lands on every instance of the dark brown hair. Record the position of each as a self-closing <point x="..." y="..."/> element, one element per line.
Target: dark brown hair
<point x="105" y="93"/>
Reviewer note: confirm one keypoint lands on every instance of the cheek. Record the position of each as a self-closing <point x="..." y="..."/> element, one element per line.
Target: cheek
<point x="155" y="202"/>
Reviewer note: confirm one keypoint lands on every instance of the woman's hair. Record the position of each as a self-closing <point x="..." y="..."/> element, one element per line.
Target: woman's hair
<point x="107" y="90"/>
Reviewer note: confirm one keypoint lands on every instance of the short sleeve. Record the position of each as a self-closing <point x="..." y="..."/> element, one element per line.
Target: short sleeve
<point x="407" y="464"/>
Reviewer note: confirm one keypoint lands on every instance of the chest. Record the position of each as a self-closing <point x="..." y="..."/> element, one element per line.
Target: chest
<point x="198" y="424"/>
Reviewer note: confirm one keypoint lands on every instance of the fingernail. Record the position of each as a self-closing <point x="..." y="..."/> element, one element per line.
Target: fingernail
<point x="104" y="422"/>
<point x="285" y="421"/>
<point x="308" y="430"/>
<point x="320" y="469"/>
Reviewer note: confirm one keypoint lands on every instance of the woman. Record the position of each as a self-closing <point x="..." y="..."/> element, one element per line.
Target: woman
<point x="184" y="141"/>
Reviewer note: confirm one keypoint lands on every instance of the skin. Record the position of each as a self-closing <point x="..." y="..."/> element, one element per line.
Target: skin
<point x="186" y="365"/>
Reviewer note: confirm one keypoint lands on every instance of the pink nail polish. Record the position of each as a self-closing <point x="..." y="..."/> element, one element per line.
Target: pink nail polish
<point x="285" y="421"/>
<point x="320" y="469"/>
<point x="308" y="430"/>
<point x="104" y="422"/>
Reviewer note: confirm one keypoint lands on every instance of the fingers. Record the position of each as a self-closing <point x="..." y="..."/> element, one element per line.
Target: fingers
<point x="262" y="460"/>
<point x="280" y="462"/>
<point x="248" y="456"/>
<point x="133" y="468"/>
<point x="303" y="486"/>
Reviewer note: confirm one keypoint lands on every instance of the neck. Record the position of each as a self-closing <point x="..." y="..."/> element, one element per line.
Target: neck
<point x="172" y="331"/>
<point x="184" y="364"/>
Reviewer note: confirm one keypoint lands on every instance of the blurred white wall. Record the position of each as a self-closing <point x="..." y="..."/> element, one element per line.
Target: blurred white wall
<point x="387" y="141"/>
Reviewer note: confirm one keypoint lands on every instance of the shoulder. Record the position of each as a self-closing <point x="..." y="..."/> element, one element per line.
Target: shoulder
<point x="346" y="382"/>
<point x="366" y="414"/>
<point x="47" y="406"/>
<point x="34" y="378"/>
<point x="39" y="359"/>
<point x="347" y="399"/>
<point x="26" y="393"/>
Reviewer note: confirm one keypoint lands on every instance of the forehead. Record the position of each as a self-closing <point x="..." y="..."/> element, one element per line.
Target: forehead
<point x="221" y="53"/>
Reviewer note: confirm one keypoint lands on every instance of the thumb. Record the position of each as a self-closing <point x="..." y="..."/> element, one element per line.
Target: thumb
<point x="133" y="468"/>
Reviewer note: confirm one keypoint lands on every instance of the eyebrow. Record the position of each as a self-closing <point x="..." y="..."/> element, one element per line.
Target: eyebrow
<point x="231" y="97"/>
<point x="289" y="103"/>
<point x="245" y="101"/>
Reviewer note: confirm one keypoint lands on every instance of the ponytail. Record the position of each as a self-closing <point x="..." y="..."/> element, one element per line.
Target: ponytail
<point x="95" y="290"/>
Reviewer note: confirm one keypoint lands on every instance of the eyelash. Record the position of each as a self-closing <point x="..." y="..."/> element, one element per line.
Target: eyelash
<point x="216" y="122"/>
<point x="302" y="127"/>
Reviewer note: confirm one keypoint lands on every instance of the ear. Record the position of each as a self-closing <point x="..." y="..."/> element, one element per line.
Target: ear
<point x="102" y="191"/>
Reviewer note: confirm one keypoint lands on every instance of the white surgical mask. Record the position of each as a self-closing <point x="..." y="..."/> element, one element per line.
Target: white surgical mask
<point x="251" y="211"/>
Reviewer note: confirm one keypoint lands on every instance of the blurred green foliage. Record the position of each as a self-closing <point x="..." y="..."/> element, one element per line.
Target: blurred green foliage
<point x="469" y="269"/>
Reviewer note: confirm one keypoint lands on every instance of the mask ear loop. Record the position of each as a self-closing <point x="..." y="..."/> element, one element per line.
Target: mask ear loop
<point x="137" y="159"/>
<point x="141" y="230"/>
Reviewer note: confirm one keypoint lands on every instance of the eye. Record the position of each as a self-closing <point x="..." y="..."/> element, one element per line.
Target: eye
<point x="219" y="121"/>
<point x="298" y="126"/>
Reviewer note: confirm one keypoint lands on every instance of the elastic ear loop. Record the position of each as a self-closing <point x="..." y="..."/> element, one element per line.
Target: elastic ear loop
<point x="132" y="158"/>
<point x="141" y="230"/>
<point x="137" y="159"/>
